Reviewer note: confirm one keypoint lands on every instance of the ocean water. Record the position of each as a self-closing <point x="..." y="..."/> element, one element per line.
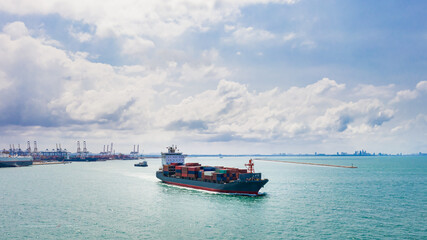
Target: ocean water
<point x="384" y="198"/>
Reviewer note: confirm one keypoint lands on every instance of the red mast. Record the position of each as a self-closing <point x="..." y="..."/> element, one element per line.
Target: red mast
<point x="250" y="166"/>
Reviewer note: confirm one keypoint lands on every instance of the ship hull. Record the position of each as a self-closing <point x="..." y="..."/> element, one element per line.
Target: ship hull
<point x="236" y="187"/>
<point x="16" y="163"/>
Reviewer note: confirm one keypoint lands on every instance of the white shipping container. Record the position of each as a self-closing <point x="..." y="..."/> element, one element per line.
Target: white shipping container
<point x="209" y="173"/>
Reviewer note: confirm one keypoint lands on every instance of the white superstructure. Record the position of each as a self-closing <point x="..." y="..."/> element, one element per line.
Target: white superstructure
<point x="172" y="156"/>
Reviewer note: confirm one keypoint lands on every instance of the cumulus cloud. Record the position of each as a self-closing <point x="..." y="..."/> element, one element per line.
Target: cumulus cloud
<point x="231" y="111"/>
<point x="42" y="85"/>
<point x="407" y="94"/>
<point x="16" y="30"/>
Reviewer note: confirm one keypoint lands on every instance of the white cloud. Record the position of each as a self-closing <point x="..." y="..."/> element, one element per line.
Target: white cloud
<point x="202" y="73"/>
<point x="405" y="95"/>
<point x="233" y="112"/>
<point x="95" y="100"/>
<point x="142" y="18"/>
<point x="422" y="86"/>
<point x="250" y="35"/>
<point x="80" y="36"/>
<point x="65" y="88"/>
<point x="136" y="47"/>
<point x="5" y="81"/>
<point x="229" y="28"/>
<point x="289" y="37"/>
<point x="411" y="94"/>
<point x="16" y="30"/>
<point x="364" y="90"/>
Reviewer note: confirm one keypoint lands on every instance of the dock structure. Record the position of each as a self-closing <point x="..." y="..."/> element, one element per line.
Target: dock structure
<point x="306" y="163"/>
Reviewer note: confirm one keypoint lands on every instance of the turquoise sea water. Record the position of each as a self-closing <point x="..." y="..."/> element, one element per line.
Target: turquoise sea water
<point x="384" y="198"/>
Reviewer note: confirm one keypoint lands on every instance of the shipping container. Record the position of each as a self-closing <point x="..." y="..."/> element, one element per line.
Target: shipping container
<point x="192" y="164"/>
<point x="206" y="168"/>
<point x="209" y="173"/>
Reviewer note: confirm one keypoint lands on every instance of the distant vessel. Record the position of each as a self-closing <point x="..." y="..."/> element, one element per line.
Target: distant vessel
<point x="215" y="179"/>
<point x="141" y="164"/>
<point x="7" y="160"/>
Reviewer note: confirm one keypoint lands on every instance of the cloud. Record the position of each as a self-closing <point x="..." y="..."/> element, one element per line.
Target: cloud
<point x="407" y="94"/>
<point x="231" y="111"/>
<point x="137" y="46"/>
<point x="289" y="36"/>
<point x="191" y="73"/>
<point x="422" y="86"/>
<point x="80" y="36"/>
<point x="186" y="125"/>
<point x="47" y="86"/>
<point x="16" y="30"/>
<point x="249" y="35"/>
<point x="143" y="18"/>
<point x="63" y="88"/>
<point x="4" y="81"/>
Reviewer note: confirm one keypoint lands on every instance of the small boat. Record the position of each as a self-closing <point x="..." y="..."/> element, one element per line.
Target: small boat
<point x="141" y="164"/>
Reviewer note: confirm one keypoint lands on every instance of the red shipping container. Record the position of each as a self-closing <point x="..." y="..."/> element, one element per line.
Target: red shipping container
<point x="192" y="164"/>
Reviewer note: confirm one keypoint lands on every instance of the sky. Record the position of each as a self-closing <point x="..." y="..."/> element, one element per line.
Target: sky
<point x="230" y="77"/>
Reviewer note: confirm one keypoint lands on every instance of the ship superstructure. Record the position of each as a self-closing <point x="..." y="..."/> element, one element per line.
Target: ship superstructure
<point x="172" y="156"/>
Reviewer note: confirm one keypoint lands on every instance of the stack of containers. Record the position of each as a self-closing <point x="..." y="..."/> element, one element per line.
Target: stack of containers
<point x="192" y="164"/>
<point x="207" y="168"/>
<point x="231" y="174"/>
<point x="192" y="171"/>
<point x="178" y="170"/>
<point x="208" y="173"/>
<point x="218" y="177"/>
<point x="184" y="171"/>
<point x="169" y="170"/>
<point x="200" y="173"/>
<point x="166" y="170"/>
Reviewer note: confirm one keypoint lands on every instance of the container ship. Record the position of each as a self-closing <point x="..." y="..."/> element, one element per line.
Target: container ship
<point x="210" y="178"/>
<point x="7" y="160"/>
